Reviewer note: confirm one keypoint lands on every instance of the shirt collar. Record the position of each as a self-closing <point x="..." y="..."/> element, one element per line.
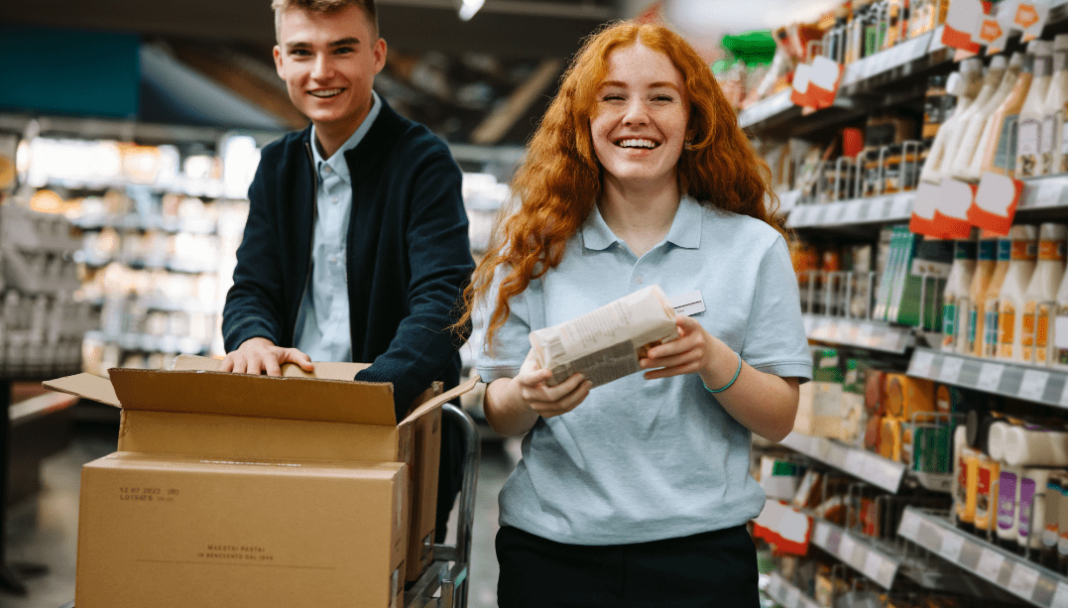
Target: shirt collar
<point x="685" y="229"/>
<point x="337" y="162"/>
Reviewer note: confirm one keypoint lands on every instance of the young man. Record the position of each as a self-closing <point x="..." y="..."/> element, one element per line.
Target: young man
<point x="356" y="244"/>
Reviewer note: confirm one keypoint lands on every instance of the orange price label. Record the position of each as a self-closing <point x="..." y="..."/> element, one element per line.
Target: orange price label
<point x="990" y="31"/>
<point x="1026" y="15"/>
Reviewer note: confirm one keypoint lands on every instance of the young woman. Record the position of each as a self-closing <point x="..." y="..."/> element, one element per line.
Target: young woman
<point x="637" y="493"/>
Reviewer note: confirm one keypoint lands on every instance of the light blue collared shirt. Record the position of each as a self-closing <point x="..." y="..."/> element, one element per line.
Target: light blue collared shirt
<point x="323" y="324"/>
<point x="642" y="460"/>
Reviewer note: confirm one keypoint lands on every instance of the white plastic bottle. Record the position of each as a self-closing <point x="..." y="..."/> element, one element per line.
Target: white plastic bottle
<point x="1053" y="153"/>
<point x="1040" y="298"/>
<point x="972" y="313"/>
<point x="988" y="344"/>
<point x="966" y="85"/>
<point x="1059" y="330"/>
<point x="992" y="80"/>
<point x="1011" y="297"/>
<point x="1029" y="134"/>
<point x="958" y="285"/>
<point x="968" y="145"/>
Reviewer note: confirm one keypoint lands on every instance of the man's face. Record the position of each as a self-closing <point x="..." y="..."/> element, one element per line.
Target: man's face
<point x="329" y="61"/>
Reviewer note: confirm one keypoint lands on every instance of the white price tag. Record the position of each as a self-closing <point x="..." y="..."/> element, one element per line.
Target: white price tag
<point x="846" y="547"/>
<point x="854" y="462"/>
<point x="775" y="587"/>
<point x="877" y="208"/>
<point x="951" y="546"/>
<point x="951" y="367"/>
<point x="793" y="597"/>
<point x="1060" y="598"/>
<point x="799" y="214"/>
<point x="864" y="335"/>
<point x="1048" y="193"/>
<point x="990" y="376"/>
<point x="1064" y="395"/>
<point x="872" y="564"/>
<point x="1033" y="385"/>
<point x="902" y="206"/>
<point x="990" y="563"/>
<point x="921" y="364"/>
<point x="851" y="213"/>
<point x="1023" y="580"/>
<point x="821" y="534"/>
<point x="834" y="213"/>
<point x="910" y="525"/>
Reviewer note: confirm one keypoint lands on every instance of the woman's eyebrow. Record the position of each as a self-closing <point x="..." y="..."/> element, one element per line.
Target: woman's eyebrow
<point x="655" y="85"/>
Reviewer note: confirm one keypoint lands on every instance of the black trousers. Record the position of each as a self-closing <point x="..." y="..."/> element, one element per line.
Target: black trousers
<point x="714" y="569"/>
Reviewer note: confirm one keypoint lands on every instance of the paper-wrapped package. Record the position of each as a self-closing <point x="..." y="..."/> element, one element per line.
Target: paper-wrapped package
<point x="606" y="344"/>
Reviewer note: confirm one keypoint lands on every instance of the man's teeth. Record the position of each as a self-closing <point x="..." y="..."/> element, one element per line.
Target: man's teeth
<point x="326" y="92"/>
<point x="637" y="143"/>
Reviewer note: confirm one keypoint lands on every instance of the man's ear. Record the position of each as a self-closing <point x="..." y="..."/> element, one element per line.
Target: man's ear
<point x="379" y="52"/>
<point x="278" y="62"/>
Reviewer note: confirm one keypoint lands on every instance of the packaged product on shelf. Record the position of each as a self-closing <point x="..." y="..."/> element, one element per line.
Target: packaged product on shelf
<point x="1008" y="518"/>
<point x="1031" y="512"/>
<point x="779" y="478"/>
<point x="1035" y="446"/>
<point x="989" y="472"/>
<point x="1054" y="496"/>
<point x="894" y="260"/>
<point x="916" y="303"/>
<point x="987" y="346"/>
<point x="964" y="87"/>
<point x="907" y="396"/>
<point x="890" y="438"/>
<point x="1011" y="296"/>
<point x="997" y="148"/>
<point x="1059" y="328"/>
<point x="957" y="286"/>
<point x="973" y="131"/>
<point x="1029" y="129"/>
<point x="1062" y="522"/>
<point x="1041" y="295"/>
<point x="968" y="484"/>
<point x="939" y="102"/>
<point x="1054" y="153"/>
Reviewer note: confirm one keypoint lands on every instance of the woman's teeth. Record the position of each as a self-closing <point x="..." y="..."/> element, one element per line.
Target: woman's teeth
<point x="637" y="143"/>
<point x="326" y="92"/>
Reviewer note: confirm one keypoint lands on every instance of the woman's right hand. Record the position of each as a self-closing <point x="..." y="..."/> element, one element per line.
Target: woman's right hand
<point x="529" y="390"/>
<point x="513" y="405"/>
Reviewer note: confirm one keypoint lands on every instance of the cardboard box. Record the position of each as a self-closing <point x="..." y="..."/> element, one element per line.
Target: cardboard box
<point x="220" y="426"/>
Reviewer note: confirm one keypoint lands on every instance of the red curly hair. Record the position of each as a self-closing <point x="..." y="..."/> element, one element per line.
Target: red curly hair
<point x="560" y="180"/>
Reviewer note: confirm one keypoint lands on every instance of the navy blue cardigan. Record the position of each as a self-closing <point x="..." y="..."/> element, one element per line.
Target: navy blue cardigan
<point x="407" y="251"/>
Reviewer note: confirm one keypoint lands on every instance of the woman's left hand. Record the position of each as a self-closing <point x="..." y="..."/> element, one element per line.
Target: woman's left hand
<point x="690" y="353"/>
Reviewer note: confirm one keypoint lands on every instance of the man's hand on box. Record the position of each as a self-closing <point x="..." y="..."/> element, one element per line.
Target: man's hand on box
<point x="530" y="391"/>
<point x="690" y="353"/>
<point x="259" y="355"/>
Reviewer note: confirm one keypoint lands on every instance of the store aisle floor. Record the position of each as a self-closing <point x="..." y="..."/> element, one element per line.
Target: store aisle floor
<point x="44" y="531"/>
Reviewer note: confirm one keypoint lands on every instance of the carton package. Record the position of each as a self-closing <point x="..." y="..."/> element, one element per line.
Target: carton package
<point x="230" y="489"/>
<point x="606" y="344"/>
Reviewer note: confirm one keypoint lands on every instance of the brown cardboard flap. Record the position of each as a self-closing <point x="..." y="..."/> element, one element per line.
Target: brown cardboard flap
<point x="86" y="386"/>
<point x="440" y="399"/>
<point x="233" y="437"/>
<point x="256" y="396"/>
<point x="324" y="370"/>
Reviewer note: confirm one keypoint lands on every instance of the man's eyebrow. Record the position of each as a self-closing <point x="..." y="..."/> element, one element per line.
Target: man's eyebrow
<point x="334" y="44"/>
<point x="655" y="85"/>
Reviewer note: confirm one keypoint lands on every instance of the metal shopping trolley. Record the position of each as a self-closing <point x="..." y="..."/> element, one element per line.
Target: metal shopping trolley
<point x="445" y="582"/>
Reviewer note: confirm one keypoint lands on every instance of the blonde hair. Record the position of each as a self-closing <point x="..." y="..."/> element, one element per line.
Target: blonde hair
<point x="324" y="6"/>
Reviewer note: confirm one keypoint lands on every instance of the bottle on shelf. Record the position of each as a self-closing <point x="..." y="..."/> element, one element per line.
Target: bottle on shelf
<point x="997" y="149"/>
<point x="972" y="315"/>
<point x="1059" y="330"/>
<point x="1011" y="295"/>
<point x="1041" y="294"/>
<point x="957" y="289"/>
<point x="1029" y="131"/>
<point x="1054" y="156"/>
<point x="972" y="131"/>
<point x="988" y="345"/>
<point x="967" y="86"/>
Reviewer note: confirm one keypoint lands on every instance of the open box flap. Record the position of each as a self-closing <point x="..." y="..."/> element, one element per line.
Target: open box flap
<point x="86" y="386"/>
<point x="205" y="392"/>
<point x="324" y="370"/>
<point x="439" y="400"/>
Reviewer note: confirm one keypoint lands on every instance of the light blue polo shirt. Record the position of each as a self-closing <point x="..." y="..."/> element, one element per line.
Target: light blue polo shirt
<point x="323" y="321"/>
<point x="642" y="460"/>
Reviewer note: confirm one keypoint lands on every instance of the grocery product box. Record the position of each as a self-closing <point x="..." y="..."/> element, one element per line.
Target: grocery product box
<point x="306" y="469"/>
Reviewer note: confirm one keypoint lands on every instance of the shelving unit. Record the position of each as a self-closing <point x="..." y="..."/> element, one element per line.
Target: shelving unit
<point x="857" y="462"/>
<point x="788" y="595"/>
<point x="861" y="553"/>
<point x="858" y="333"/>
<point x="1026" y="580"/>
<point x="1020" y="381"/>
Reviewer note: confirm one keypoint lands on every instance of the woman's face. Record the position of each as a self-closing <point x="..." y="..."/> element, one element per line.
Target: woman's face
<point x="640" y="118"/>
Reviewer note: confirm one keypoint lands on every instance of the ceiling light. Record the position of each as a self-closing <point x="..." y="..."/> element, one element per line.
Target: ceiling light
<point x="469" y="8"/>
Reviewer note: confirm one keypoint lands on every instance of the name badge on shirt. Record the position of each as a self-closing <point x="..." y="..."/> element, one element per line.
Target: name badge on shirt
<point x="688" y="304"/>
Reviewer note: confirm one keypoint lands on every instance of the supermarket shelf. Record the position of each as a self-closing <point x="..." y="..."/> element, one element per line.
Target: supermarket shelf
<point x="786" y="594"/>
<point x="910" y="57"/>
<point x="789" y="200"/>
<point x="1029" y="581"/>
<point x="151" y="343"/>
<point x="857" y="462"/>
<point x="135" y="221"/>
<point x="1016" y="380"/>
<point x="888" y="208"/>
<point x="1044" y="193"/>
<point x="858" y="333"/>
<point x="188" y="306"/>
<point x="857" y="552"/>
<point x="172" y="265"/>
